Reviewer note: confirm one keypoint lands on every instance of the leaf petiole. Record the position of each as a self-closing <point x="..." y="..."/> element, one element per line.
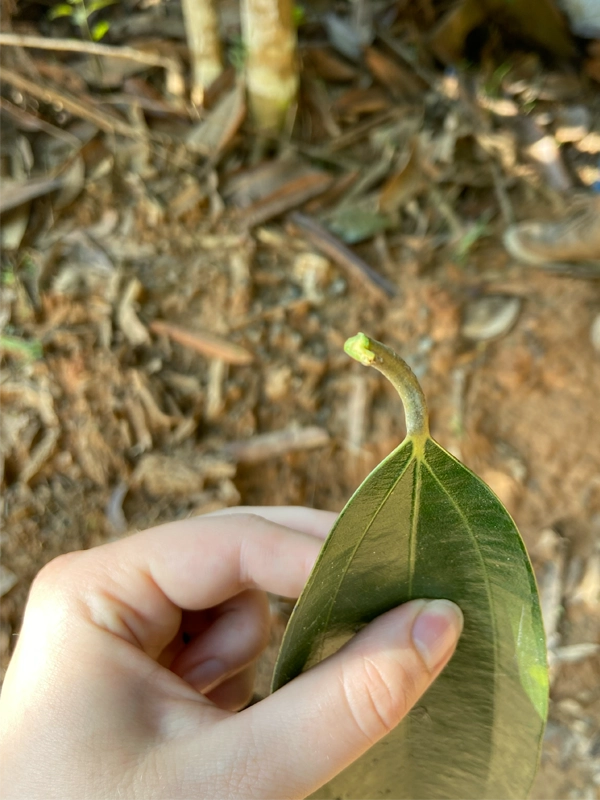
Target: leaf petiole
<point x="372" y="353"/>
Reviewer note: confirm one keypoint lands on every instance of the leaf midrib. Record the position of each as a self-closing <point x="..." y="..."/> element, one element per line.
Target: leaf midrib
<point x="359" y="542"/>
<point x="414" y="523"/>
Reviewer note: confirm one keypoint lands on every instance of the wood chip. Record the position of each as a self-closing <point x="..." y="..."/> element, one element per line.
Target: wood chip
<point x="217" y="373"/>
<point x="357" y="412"/>
<point x="161" y="475"/>
<point x="212" y="135"/>
<point x="241" y="279"/>
<point x="137" y="420"/>
<point x="265" y="446"/>
<point x="39" y="455"/>
<point x="207" y="344"/>
<point x="95" y="456"/>
<point x="127" y="319"/>
<point x="157" y="419"/>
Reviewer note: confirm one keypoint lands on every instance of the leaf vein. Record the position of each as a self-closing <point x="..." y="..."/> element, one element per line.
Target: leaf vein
<point x="469" y="528"/>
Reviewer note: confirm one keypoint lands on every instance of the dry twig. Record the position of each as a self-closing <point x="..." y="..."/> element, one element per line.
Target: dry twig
<point x="272" y="445"/>
<point x="354" y="266"/>
<point x="90" y="48"/>
<point x="207" y="344"/>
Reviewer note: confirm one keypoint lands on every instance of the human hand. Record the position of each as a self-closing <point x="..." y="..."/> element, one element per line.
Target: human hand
<point x="115" y="691"/>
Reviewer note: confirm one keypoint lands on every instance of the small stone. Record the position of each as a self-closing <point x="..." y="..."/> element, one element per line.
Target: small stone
<point x="8" y="579"/>
<point x="490" y="317"/>
<point x="595" y="333"/>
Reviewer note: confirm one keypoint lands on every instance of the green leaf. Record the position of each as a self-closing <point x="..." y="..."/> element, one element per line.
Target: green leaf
<point x="61" y="10"/>
<point x="97" y="5"/>
<point x="423" y="525"/>
<point x="355" y="223"/>
<point x="298" y="15"/>
<point x="99" y="30"/>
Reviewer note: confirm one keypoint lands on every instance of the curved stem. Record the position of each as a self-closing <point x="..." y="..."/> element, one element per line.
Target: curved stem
<point x="374" y="354"/>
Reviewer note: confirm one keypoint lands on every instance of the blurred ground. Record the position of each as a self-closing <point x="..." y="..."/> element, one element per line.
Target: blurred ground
<point x="176" y="295"/>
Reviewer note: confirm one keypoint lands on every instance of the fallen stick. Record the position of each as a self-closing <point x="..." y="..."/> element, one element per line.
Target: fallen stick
<point x="353" y="265"/>
<point x="265" y="446"/>
<point x="91" y="48"/>
<point x="207" y="344"/>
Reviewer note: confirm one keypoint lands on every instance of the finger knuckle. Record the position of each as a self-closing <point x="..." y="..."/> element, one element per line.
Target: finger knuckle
<point x="54" y="572"/>
<point x="378" y="698"/>
<point x="248" y="519"/>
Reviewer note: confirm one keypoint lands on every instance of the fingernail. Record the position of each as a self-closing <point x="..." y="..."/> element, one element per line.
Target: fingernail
<point x="203" y="675"/>
<point x="436" y="630"/>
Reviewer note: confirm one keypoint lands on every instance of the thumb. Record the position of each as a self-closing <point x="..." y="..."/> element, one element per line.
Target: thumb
<point x="322" y="721"/>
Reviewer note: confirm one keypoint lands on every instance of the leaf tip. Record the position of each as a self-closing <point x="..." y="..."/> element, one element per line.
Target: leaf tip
<point x="359" y="348"/>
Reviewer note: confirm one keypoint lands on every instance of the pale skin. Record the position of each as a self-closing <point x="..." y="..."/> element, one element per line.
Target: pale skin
<point x="136" y="657"/>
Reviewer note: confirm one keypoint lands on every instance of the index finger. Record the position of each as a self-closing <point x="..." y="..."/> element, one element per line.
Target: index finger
<point x="136" y="587"/>
<point x="299" y="518"/>
<point x="212" y="558"/>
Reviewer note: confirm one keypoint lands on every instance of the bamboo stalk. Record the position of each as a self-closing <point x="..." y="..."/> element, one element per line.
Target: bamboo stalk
<point x="271" y="66"/>
<point x="202" y="31"/>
